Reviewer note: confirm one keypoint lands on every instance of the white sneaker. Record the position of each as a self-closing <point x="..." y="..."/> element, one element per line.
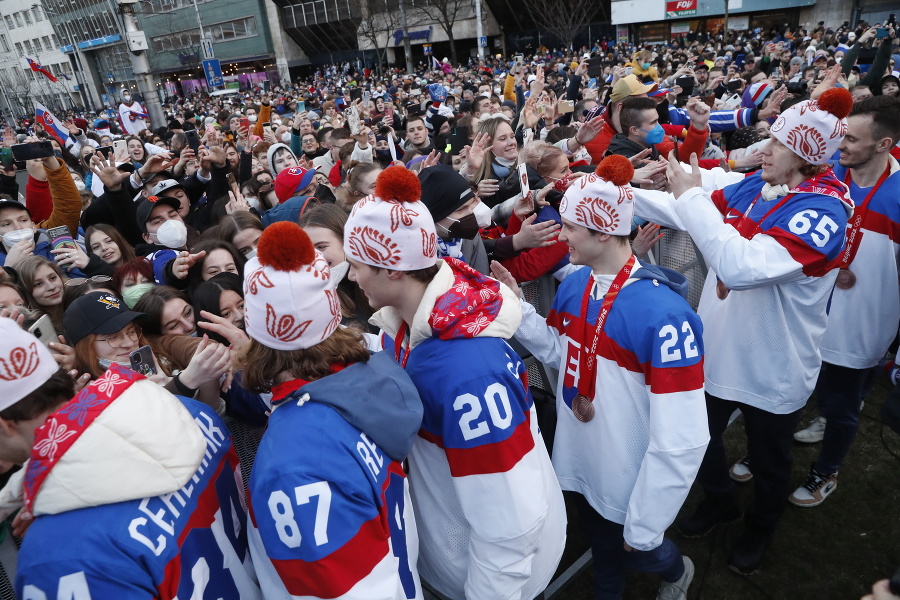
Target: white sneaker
<point x="740" y="471"/>
<point x="813" y="433"/>
<point x="815" y="490"/>
<point x="677" y="590"/>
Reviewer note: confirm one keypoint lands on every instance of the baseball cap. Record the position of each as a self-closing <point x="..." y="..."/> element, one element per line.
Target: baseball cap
<point x="162" y="186"/>
<point x="630" y="85"/>
<point x="28" y="363"/>
<point x="96" y="312"/>
<point x="148" y="204"/>
<point x="290" y="181"/>
<point x="659" y="92"/>
<point x="13" y="204"/>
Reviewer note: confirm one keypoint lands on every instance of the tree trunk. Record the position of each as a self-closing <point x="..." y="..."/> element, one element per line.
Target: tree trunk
<point x="453" y="56"/>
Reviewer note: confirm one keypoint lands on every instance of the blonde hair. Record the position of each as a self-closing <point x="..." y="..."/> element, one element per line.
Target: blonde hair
<point x="541" y="156"/>
<point x="488" y="126"/>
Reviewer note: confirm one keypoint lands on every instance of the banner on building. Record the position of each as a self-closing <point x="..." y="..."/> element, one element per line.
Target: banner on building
<point x="678" y="9"/>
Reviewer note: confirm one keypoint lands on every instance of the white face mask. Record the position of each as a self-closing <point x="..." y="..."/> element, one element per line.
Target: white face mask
<point x="339" y="271"/>
<point x="286" y="137"/>
<point x="11" y="238"/>
<point x="126" y="98"/>
<point x="253" y="202"/>
<point x="482" y="214"/>
<point x="172" y="234"/>
<point x="253" y="118"/>
<point x="107" y="363"/>
<point x="250" y="253"/>
<point x="79" y="185"/>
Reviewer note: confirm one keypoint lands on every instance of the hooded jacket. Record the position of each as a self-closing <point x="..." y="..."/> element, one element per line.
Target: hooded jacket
<point x="764" y="336"/>
<point x="635" y="461"/>
<point x="135" y="495"/>
<point x="330" y="508"/>
<point x="491" y="515"/>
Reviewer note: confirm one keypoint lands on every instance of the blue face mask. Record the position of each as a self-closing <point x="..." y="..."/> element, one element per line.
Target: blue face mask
<point x="645" y="66"/>
<point x="655" y="135"/>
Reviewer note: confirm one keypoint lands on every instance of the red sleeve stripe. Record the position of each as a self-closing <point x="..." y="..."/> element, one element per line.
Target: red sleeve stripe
<point x="669" y="380"/>
<point x="498" y="457"/>
<point x="718" y="198"/>
<point x="815" y="264"/>
<point x="609" y="349"/>
<point x="880" y="223"/>
<point x="334" y="575"/>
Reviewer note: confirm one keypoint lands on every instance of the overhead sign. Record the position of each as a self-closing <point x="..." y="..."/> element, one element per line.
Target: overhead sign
<point x="213" y="70"/>
<point x="677" y="9"/>
<point x="206" y="44"/>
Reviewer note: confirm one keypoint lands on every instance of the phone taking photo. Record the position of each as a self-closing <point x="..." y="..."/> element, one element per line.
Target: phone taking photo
<point x="43" y="330"/>
<point x="142" y="361"/>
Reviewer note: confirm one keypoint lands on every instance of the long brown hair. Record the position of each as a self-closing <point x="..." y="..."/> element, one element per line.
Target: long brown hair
<point x="124" y="247"/>
<point x="27" y="269"/>
<point x="262" y="365"/>
<point x="86" y="359"/>
<point x="488" y="126"/>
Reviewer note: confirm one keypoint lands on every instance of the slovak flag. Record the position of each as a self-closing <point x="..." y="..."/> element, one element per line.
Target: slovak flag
<point x="435" y="63"/>
<point x="50" y="123"/>
<point x="39" y="69"/>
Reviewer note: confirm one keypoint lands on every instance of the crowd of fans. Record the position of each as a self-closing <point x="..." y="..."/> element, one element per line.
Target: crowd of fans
<point x="271" y="250"/>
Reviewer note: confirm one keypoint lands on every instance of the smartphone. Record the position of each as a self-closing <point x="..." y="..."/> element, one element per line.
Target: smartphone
<point x="710" y="99"/>
<point x="119" y="146"/>
<point x="523" y="179"/>
<point x="628" y="71"/>
<point x="459" y="138"/>
<point x="266" y="85"/>
<point x="301" y="105"/>
<point x="881" y="32"/>
<point x="367" y="95"/>
<point x="566" y="106"/>
<point x="142" y="361"/>
<point x="229" y="177"/>
<point x="389" y="111"/>
<point x="686" y="84"/>
<point x="356" y="94"/>
<point x="733" y="85"/>
<point x="340" y="103"/>
<point x="32" y="150"/>
<point x="244" y="123"/>
<point x="274" y="126"/>
<point x="6" y="158"/>
<point x="106" y="151"/>
<point x="60" y="238"/>
<point x="595" y="67"/>
<point x="193" y="139"/>
<point x="43" y="330"/>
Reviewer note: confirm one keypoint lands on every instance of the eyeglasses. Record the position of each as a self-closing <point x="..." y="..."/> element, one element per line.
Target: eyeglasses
<point x="117" y="340"/>
<point x="83" y="280"/>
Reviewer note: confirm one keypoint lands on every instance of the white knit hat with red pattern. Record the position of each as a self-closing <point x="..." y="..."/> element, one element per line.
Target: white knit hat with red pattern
<point x="25" y="363"/>
<point x="290" y="300"/>
<point x="602" y="201"/>
<point x="392" y="229"/>
<point x="814" y="129"/>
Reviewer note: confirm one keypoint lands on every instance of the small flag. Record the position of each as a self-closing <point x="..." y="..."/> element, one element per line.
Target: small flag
<point x="50" y="123"/>
<point x="435" y="63"/>
<point x="39" y="69"/>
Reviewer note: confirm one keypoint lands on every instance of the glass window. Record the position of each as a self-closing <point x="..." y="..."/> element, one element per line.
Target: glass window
<point x="27" y="15"/>
<point x="38" y="15"/>
<point x="55" y="40"/>
<point x="37" y="46"/>
<point x="18" y="17"/>
<point x="9" y="22"/>
<point x="28" y="47"/>
<point x="4" y="43"/>
<point x="19" y="49"/>
<point x="47" y="44"/>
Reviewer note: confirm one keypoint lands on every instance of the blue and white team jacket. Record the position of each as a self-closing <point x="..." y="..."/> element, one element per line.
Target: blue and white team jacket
<point x="190" y="542"/>
<point x="763" y="339"/>
<point x="330" y="509"/>
<point x="862" y="320"/>
<point x="635" y="461"/>
<point x="489" y="507"/>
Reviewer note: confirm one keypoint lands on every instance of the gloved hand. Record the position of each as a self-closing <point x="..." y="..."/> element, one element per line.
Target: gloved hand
<point x="437" y="92"/>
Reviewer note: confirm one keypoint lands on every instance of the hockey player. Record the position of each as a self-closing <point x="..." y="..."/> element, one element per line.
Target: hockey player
<point x="134" y="492"/>
<point x="631" y="428"/>
<point x="489" y="508"/>
<point x="329" y="503"/>
<point x="769" y="241"/>
<point x="132" y="115"/>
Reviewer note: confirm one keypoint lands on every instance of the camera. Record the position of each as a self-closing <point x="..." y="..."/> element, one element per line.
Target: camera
<point x="796" y="87"/>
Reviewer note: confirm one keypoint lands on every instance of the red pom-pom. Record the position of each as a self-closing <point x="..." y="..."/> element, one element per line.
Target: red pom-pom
<point x="837" y="101"/>
<point x="398" y="183"/>
<point x="284" y="246"/>
<point x="616" y="169"/>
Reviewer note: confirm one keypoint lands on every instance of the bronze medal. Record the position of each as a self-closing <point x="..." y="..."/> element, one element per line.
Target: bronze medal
<point x="721" y="290"/>
<point x="846" y="279"/>
<point x="583" y="408"/>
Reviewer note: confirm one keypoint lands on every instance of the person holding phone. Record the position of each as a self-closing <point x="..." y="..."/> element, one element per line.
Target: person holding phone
<point x="105" y="332"/>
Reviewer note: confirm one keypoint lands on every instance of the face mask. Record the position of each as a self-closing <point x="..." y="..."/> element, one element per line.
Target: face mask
<point x="250" y="253"/>
<point x="107" y="363"/>
<point x="383" y="153"/>
<point x="252" y="201"/>
<point x="79" y="185"/>
<point x="11" y="238"/>
<point x="482" y="214"/>
<point x="655" y="135"/>
<point x="126" y="98"/>
<point x="172" y="234"/>
<point x="324" y="193"/>
<point x="253" y="118"/>
<point x="465" y="228"/>
<point x="645" y="66"/>
<point x="135" y="293"/>
<point x="286" y="137"/>
<point x="339" y="271"/>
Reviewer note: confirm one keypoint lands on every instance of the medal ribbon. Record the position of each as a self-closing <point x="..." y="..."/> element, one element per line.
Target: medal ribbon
<point x="746" y="227"/>
<point x="588" y="363"/>
<point x="859" y="217"/>
<point x="398" y="345"/>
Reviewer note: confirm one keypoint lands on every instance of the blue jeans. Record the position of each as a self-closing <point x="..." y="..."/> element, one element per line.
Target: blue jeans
<point x="839" y="392"/>
<point x="611" y="559"/>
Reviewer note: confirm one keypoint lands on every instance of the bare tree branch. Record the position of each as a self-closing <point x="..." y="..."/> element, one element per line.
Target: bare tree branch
<point x="445" y="13"/>
<point x="563" y="18"/>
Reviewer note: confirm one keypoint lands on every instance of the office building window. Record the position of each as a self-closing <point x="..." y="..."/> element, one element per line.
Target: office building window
<point x="9" y="22"/>
<point x="28" y="47"/>
<point x="27" y="15"/>
<point x="37" y="46"/>
<point x="19" y="50"/>
<point x="4" y="42"/>
<point x="47" y="45"/>
<point x="18" y="17"/>
<point x="38" y="14"/>
<point x="220" y="32"/>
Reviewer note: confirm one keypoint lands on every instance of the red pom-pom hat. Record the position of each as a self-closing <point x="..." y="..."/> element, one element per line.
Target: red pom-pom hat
<point x="814" y="129"/>
<point x="284" y="246"/>
<point x="602" y="201"/>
